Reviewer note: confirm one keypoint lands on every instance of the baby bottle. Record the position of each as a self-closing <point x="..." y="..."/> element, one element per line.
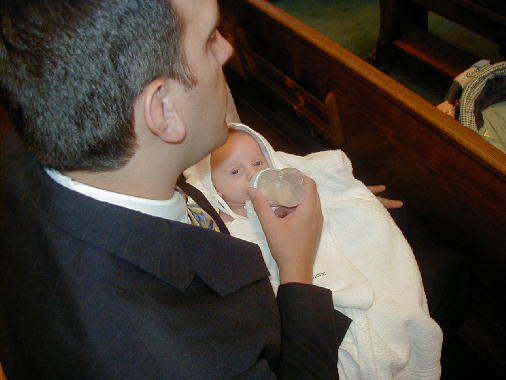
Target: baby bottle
<point x="281" y="187"/>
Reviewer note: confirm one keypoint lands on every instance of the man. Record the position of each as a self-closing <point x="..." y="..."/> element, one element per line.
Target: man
<point x="103" y="274"/>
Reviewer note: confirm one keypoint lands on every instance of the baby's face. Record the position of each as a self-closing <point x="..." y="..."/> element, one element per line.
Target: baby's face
<point x="234" y="164"/>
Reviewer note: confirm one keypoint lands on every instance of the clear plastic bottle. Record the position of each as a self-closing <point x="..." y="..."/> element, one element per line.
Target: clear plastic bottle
<point x="281" y="187"/>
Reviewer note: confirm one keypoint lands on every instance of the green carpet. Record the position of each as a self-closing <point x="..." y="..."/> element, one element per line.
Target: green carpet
<point x="354" y="24"/>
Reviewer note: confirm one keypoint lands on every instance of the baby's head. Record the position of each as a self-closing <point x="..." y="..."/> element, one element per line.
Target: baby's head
<point x="233" y="165"/>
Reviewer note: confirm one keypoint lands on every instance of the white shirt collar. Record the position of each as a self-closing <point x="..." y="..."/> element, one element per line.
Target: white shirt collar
<point x="173" y="208"/>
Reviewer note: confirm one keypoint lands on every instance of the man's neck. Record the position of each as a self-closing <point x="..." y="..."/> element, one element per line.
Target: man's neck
<point x="138" y="183"/>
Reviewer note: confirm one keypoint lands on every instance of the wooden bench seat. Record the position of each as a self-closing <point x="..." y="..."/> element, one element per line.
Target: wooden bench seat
<point x="404" y="27"/>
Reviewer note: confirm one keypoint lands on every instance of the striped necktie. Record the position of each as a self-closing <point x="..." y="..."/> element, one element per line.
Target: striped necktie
<point x="197" y="215"/>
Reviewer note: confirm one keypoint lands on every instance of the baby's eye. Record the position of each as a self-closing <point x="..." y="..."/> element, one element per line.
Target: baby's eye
<point x="257" y="163"/>
<point x="234" y="172"/>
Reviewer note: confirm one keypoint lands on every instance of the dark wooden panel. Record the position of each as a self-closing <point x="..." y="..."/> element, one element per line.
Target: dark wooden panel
<point x="4" y="123"/>
<point x="487" y="18"/>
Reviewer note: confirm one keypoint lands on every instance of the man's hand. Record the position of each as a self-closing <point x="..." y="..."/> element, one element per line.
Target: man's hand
<point x="294" y="238"/>
<point x="447" y="108"/>
<point x="388" y="203"/>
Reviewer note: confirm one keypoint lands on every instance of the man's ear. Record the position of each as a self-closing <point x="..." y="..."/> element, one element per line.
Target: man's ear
<point x="160" y="113"/>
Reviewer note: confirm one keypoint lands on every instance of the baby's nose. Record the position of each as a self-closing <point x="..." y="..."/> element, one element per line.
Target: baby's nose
<point x="251" y="172"/>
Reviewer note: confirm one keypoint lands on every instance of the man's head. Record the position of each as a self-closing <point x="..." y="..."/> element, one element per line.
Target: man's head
<point x="199" y="112"/>
<point x="72" y="71"/>
<point x="233" y="165"/>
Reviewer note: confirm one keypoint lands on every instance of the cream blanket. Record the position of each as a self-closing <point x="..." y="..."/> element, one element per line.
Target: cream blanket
<point x="363" y="258"/>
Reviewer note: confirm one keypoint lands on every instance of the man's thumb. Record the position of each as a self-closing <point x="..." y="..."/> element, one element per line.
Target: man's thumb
<point x="260" y="204"/>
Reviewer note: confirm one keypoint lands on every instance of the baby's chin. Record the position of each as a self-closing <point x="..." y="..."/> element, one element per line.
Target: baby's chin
<point x="239" y="209"/>
<point x="235" y="200"/>
<point x="235" y="203"/>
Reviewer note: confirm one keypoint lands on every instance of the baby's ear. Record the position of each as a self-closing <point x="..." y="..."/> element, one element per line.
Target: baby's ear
<point x="160" y="112"/>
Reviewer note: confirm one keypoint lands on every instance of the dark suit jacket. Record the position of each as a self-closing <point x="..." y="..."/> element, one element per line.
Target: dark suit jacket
<point x="90" y="290"/>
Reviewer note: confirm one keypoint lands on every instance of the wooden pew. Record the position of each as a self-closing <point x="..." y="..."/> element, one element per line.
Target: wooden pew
<point x="404" y="26"/>
<point x="454" y="181"/>
<point x="2" y="374"/>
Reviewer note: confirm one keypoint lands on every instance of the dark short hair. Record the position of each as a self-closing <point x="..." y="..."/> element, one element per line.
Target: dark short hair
<point x="71" y="70"/>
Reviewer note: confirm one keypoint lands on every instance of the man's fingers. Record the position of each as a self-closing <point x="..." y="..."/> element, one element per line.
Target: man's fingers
<point x="281" y="212"/>
<point x="390" y="203"/>
<point x="376" y="189"/>
<point x="387" y="203"/>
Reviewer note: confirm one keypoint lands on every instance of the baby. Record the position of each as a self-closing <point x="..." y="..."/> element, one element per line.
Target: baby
<point x="232" y="167"/>
<point x="362" y="257"/>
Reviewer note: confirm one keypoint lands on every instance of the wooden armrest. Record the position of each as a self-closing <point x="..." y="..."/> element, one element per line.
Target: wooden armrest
<point x="2" y="374"/>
